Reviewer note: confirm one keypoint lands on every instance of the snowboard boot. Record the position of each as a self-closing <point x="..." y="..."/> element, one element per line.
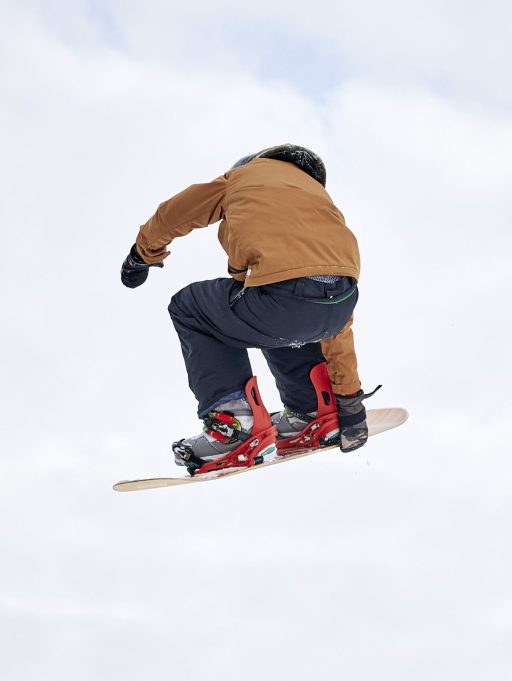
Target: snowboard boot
<point x="237" y="434"/>
<point x="299" y="432"/>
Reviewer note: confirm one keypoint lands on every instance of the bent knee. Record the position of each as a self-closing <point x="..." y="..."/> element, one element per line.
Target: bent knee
<point x="173" y="307"/>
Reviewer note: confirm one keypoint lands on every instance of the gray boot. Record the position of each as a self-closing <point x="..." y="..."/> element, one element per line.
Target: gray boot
<point x="290" y="422"/>
<point x="209" y="448"/>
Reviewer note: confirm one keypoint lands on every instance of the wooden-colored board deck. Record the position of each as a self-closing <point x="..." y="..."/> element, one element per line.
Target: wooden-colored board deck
<point x="379" y="421"/>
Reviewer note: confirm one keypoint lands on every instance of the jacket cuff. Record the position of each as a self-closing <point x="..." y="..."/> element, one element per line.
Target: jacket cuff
<point x="150" y="258"/>
<point x="346" y="388"/>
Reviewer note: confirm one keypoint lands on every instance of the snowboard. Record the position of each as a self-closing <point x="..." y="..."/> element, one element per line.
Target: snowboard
<point x="378" y="420"/>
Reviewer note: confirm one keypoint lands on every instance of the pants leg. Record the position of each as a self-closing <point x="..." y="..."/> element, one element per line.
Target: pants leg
<point x="215" y="366"/>
<point x="290" y="367"/>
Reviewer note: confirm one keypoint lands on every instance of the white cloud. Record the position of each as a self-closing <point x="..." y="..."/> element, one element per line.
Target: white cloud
<point x="454" y="48"/>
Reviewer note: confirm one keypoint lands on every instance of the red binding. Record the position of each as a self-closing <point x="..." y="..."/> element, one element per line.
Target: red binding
<point x="264" y="435"/>
<point x="326" y="421"/>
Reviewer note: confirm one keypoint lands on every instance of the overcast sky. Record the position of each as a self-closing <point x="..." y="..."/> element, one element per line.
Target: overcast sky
<point x="391" y="563"/>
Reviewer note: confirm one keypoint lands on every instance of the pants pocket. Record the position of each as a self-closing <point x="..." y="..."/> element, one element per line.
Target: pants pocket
<point x="235" y="294"/>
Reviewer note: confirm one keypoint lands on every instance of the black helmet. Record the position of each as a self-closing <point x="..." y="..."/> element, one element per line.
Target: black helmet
<point x="303" y="158"/>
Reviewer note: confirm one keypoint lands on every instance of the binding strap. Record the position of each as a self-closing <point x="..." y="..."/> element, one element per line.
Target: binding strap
<point x="297" y="414"/>
<point x="224" y="427"/>
<point x="186" y="453"/>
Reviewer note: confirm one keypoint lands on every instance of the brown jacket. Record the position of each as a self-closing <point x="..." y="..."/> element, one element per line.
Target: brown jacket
<point x="277" y="223"/>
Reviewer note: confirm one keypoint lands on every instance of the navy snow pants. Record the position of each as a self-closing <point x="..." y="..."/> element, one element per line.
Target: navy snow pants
<point x="217" y="320"/>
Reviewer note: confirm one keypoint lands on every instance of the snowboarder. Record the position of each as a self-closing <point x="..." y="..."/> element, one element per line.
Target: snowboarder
<point x="294" y="267"/>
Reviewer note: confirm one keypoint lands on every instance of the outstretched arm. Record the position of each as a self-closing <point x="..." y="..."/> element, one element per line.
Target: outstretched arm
<point x="197" y="206"/>
<point x="341" y="359"/>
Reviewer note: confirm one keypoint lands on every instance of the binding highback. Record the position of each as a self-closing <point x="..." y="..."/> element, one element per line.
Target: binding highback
<point x="322" y="383"/>
<point x="262" y="419"/>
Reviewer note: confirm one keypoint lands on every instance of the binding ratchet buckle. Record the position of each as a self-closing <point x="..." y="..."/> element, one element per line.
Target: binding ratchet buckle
<point x="224" y="427"/>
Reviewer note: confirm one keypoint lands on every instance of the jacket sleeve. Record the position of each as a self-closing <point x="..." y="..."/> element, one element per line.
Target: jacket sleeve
<point x="341" y="359"/>
<point x="198" y="206"/>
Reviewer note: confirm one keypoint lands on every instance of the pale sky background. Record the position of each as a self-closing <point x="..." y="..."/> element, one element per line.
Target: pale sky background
<point x="389" y="564"/>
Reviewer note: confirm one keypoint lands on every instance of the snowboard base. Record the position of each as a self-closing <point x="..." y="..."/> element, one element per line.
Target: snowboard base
<point x="378" y="420"/>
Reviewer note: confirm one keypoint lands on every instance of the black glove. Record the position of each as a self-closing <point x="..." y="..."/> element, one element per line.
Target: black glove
<point x="352" y="418"/>
<point x="134" y="271"/>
